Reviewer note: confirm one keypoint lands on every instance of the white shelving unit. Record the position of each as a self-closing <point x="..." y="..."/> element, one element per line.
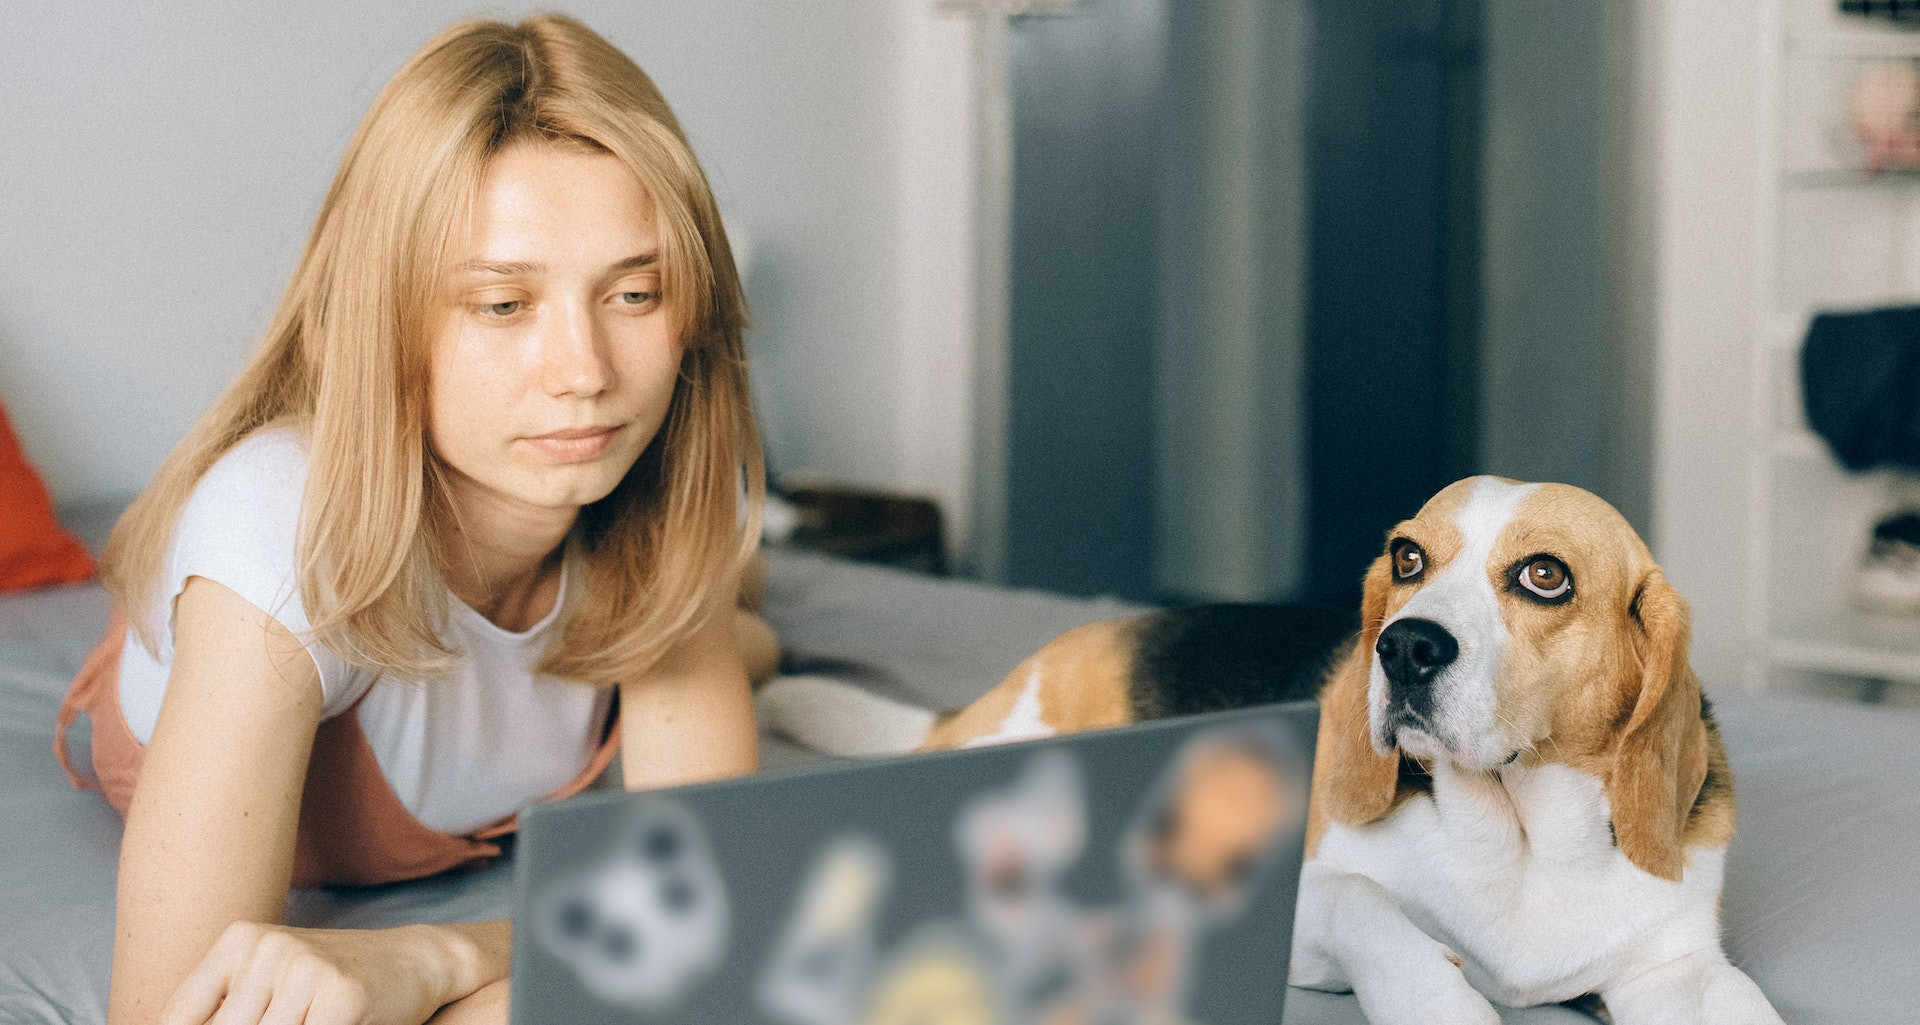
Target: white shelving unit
<point x="1831" y="237"/>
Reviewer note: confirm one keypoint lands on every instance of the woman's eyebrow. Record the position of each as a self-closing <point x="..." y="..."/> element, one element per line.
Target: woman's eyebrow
<point x="513" y="268"/>
<point x="505" y="268"/>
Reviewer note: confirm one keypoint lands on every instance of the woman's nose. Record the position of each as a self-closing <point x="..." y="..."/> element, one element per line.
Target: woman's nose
<point x="573" y="356"/>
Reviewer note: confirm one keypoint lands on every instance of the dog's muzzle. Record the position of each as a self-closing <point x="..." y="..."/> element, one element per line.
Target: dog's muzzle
<point x="1412" y="653"/>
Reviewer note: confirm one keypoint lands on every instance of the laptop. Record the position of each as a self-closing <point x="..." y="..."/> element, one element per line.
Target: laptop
<point x="1138" y="875"/>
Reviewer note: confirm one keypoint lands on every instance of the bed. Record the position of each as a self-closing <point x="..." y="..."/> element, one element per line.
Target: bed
<point x="1822" y="903"/>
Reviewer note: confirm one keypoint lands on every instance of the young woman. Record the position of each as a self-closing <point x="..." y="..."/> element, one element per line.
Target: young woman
<point x="469" y="520"/>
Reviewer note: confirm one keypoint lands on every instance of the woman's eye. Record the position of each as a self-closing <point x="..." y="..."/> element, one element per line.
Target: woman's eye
<point x="638" y="298"/>
<point x="501" y="309"/>
<point x="1546" y="577"/>
<point x="1409" y="561"/>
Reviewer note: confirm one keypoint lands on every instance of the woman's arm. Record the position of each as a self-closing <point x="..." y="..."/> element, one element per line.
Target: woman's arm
<point x="691" y="718"/>
<point x="208" y="852"/>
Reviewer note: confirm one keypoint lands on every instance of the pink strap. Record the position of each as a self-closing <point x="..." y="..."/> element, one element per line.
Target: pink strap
<point x="81" y="695"/>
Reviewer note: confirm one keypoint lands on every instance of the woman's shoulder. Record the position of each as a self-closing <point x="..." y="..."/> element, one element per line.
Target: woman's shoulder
<point x="246" y="508"/>
<point x="263" y="465"/>
<point x="240" y="529"/>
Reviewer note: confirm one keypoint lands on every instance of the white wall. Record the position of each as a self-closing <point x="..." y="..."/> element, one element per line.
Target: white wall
<point x="1703" y="86"/>
<point x="162" y="163"/>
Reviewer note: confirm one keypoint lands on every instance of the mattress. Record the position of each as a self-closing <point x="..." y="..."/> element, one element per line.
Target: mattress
<point x="1821" y="905"/>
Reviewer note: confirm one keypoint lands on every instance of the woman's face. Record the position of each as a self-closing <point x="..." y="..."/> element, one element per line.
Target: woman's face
<point x="553" y="362"/>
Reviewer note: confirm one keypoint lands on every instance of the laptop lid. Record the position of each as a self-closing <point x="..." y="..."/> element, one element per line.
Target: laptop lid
<point x="1143" y="874"/>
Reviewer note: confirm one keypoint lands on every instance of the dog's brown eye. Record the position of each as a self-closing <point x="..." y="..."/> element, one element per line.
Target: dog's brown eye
<point x="1408" y="560"/>
<point x="1546" y="577"/>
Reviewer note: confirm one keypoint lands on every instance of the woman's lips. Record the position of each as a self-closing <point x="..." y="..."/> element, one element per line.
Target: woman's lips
<point x="575" y="444"/>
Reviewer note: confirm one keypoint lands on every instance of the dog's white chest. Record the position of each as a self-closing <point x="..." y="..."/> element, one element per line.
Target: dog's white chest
<point x="1518" y="873"/>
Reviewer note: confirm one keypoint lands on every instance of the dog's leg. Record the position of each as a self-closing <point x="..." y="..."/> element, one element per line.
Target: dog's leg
<point x="840" y="718"/>
<point x="1698" y="989"/>
<point x="1349" y="933"/>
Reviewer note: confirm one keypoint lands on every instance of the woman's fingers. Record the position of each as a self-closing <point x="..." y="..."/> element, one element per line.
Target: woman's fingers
<point x="311" y="977"/>
<point x="259" y="975"/>
<point x="276" y="975"/>
<point x="251" y="958"/>
<point x="289" y="1006"/>
<point x="341" y="1001"/>
<point x="197" y="998"/>
<point x="294" y="991"/>
<point x="202" y="993"/>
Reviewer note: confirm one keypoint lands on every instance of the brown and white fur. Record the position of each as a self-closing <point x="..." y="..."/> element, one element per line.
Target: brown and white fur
<point x="1515" y="796"/>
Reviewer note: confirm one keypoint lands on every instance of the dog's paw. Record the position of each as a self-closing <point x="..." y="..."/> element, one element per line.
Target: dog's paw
<point x="1698" y="989"/>
<point x="1732" y="998"/>
<point x="1434" y="992"/>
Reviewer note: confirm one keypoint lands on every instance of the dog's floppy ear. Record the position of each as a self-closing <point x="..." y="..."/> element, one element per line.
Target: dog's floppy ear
<point x="1353" y="783"/>
<point x="1660" y="757"/>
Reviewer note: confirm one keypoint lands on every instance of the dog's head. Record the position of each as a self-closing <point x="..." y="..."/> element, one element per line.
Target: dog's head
<point x="1509" y="621"/>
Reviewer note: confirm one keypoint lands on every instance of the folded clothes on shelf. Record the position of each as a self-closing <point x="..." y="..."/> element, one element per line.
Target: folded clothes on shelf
<point x="1860" y="380"/>
<point x="1889" y="576"/>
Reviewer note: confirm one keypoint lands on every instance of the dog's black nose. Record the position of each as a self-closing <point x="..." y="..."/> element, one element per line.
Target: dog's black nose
<point x="1411" y="652"/>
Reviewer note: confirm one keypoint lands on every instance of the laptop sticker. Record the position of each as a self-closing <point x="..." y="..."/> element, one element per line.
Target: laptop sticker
<point x="820" y="968"/>
<point x="937" y="977"/>
<point x="648" y="922"/>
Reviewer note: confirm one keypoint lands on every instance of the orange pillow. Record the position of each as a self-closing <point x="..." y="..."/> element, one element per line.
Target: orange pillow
<point x="33" y="549"/>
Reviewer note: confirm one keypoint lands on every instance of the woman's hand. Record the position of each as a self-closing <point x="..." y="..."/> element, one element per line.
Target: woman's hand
<point x="270" y="974"/>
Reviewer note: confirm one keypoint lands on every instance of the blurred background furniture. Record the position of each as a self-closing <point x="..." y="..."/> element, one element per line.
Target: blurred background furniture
<point x="867" y="525"/>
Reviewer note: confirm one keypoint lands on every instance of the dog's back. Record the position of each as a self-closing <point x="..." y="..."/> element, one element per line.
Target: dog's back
<point x="1214" y="657"/>
<point x="1207" y="658"/>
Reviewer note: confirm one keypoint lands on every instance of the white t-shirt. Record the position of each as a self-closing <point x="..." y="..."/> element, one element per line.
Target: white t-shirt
<point x="460" y="751"/>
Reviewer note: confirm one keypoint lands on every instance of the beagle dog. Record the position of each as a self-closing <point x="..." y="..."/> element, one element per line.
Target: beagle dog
<point x="1519" y="793"/>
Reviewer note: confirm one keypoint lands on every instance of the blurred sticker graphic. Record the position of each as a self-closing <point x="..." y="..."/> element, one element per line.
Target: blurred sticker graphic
<point x="1213" y="822"/>
<point x="937" y="978"/>
<point x="819" y="971"/>
<point x="648" y="922"/>
<point x="1016" y="845"/>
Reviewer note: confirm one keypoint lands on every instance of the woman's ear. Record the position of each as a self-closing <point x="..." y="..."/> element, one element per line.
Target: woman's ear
<point x="1660" y="758"/>
<point x="1353" y="783"/>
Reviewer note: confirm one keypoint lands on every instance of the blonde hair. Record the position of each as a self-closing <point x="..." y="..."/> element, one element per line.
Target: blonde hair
<point x="345" y="360"/>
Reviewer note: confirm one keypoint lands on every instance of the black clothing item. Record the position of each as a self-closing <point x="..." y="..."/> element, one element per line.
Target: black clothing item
<point x="1860" y="378"/>
<point x="1899" y="529"/>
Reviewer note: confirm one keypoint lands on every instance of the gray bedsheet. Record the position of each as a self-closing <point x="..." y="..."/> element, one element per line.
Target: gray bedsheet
<point x="1821" y="906"/>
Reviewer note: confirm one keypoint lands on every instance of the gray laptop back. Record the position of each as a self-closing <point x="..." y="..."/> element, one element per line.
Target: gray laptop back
<point x="1144" y="874"/>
